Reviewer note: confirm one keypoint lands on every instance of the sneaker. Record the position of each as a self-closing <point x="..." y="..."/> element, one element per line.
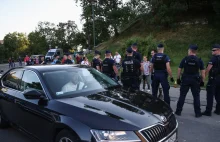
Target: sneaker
<point x="206" y="113"/>
<point x="217" y="112"/>
<point x="148" y="90"/>
<point x="198" y="115"/>
<point x="178" y="113"/>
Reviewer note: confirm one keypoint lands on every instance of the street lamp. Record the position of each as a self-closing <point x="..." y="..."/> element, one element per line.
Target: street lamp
<point x="93" y="15"/>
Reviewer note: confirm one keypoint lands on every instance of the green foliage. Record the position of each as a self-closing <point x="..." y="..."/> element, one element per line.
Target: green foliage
<point x="38" y="43"/>
<point x="15" y="44"/>
<point x="145" y="45"/>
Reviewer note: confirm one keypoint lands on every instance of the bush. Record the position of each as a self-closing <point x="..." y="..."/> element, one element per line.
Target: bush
<point x="145" y="45"/>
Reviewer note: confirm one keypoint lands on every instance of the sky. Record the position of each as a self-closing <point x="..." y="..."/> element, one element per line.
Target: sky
<point x="24" y="15"/>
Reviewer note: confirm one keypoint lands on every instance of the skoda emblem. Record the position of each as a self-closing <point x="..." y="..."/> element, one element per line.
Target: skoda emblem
<point x="163" y="118"/>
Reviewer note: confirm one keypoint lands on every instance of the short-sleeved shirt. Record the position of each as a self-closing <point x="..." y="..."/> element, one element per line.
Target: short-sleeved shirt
<point x="117" y="58"/>
<point x="201" y="63"/>
<point x="95" y="63"/>
<point x="135" y="63"/>
<point x="160" y="55"/>
<point x="107" y="66"/>
<point x="146" y="66"/>
<point x="214" y="62"/>
<point x="136" y="55"/>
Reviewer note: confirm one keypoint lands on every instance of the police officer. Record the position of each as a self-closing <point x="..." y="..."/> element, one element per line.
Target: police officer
<point x="213" y="85"/>
<point x="190" y="79"/>
<point x="108" y="66"/>
<point x="161" y="67"/>
<point x="96" y="63"/>
<point x="130" y="73"/>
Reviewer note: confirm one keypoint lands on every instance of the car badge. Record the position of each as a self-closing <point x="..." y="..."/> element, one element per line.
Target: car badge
<point x="163" y="118"/>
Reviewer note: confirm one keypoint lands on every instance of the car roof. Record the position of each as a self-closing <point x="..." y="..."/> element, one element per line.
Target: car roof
<point x="43" y="68"/>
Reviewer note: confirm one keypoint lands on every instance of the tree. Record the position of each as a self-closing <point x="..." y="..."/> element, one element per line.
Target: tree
<point x="16" y="44"/>
<point x="38" y="43"/>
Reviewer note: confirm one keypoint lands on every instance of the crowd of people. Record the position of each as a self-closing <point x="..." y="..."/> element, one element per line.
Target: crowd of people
<point x="154" y="71"/>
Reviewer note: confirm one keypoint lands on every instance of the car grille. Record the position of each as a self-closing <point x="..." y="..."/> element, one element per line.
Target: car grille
<point x="158" y="132"/>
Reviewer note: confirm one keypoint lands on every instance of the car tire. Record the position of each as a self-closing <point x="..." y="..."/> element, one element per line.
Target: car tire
<point x="3" y="122"/>
<point x="66" y="136"/>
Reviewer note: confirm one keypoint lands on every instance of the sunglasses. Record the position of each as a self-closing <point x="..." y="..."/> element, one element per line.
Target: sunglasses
<point x="214" y="50"/>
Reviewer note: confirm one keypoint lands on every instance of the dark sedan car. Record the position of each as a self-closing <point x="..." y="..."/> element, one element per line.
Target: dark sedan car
<point x="67" y="103"/>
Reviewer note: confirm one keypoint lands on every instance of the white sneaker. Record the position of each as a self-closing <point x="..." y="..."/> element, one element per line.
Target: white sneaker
<point x="148" y="90"/>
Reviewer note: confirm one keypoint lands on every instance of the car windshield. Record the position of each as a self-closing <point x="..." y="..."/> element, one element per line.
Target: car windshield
<point x="67" y="83"/>
<point x="50" y="53"/>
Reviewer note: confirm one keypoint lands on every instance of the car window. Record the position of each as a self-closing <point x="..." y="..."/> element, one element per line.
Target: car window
<point x="13" y="79"/>
<point x="67" y="82"/>
<point x="30" y="80"/>
<point x="58" y="53"/>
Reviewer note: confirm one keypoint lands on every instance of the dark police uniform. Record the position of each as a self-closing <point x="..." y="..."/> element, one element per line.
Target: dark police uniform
<point x="190" y="79"/>
<point x="159" y="61"/>
<point x="130" y="73"/>
<point x="107" y="67"/>
<point x="96" y="62"/>
<point x="213" y="85"/>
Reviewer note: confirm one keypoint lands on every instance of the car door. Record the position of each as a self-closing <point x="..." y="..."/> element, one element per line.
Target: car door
<point x="36" y="119"/>
<point x="9" y="88"/>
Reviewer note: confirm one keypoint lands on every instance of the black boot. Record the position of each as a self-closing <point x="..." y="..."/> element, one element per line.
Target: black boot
<point x="217" y="112"/>
<point x="206" y="113"/>
<point x="178" y="113"/>
<point x="198" y="115"/>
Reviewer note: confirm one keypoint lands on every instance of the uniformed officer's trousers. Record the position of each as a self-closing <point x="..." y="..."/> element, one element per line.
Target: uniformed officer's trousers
<point x="194" y="84"/>
<point x="158" y="78"/>
<point x="130" y="83"/>
<point x="213" y="90"/>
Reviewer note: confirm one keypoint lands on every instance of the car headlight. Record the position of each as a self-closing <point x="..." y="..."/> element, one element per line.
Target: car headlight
<point x="119" y="136"/>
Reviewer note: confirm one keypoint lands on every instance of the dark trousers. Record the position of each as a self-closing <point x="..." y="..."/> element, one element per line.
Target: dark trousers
<point x="130" y="83"/>
<point x="213" y="90"/>
<point x="193" y="84"/>
<point x="161" y="78"/>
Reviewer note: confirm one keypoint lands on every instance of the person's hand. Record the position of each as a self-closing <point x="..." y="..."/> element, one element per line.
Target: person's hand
<point x="202" y="84"/>
<point x="171" y="79"/>
<point x="178" y="81"/>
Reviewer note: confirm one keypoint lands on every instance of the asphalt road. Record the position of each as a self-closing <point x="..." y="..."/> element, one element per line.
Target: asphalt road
<point x="191" y="129"/>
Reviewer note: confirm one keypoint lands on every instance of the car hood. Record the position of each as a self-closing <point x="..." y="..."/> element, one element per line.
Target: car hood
<point x="116" y="109"/>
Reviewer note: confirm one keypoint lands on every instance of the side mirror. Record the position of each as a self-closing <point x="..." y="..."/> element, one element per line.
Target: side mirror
<point x="32" y="94"/>
<point x="36" y="95"/>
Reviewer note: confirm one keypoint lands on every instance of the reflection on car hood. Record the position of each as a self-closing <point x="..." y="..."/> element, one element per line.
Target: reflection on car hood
<point x="117" y="109"/>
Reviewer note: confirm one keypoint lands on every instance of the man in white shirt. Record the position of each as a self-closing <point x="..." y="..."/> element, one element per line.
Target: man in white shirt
<point x="74" y="84"/>
<point x="117" y="59"/>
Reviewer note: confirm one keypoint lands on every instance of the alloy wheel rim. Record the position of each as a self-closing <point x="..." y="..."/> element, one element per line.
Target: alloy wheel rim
<point x="65" y="139"/>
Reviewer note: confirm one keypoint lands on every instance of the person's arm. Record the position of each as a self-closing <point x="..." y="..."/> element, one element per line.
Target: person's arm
<point x="169" y="69"/>
<point x="179" y="73"/>
<point x="208" y="69"/>
<point x="98" y="68"/>
<point x="203" y="75"/>
<point x="115" y="70"/>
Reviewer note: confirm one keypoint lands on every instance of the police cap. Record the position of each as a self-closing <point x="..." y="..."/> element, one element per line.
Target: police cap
<point x="134" y="44"/>
<point x="107" y="52"/>
<point x="160" y="45"/>
<point x="193" y="47"/>
<point x="129" y="50"/>
<point x="216" y="46"/>
<point x="97" y="52"/>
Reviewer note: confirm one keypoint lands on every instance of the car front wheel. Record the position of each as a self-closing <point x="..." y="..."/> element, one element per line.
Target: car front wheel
<point x="66" y="136"/>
